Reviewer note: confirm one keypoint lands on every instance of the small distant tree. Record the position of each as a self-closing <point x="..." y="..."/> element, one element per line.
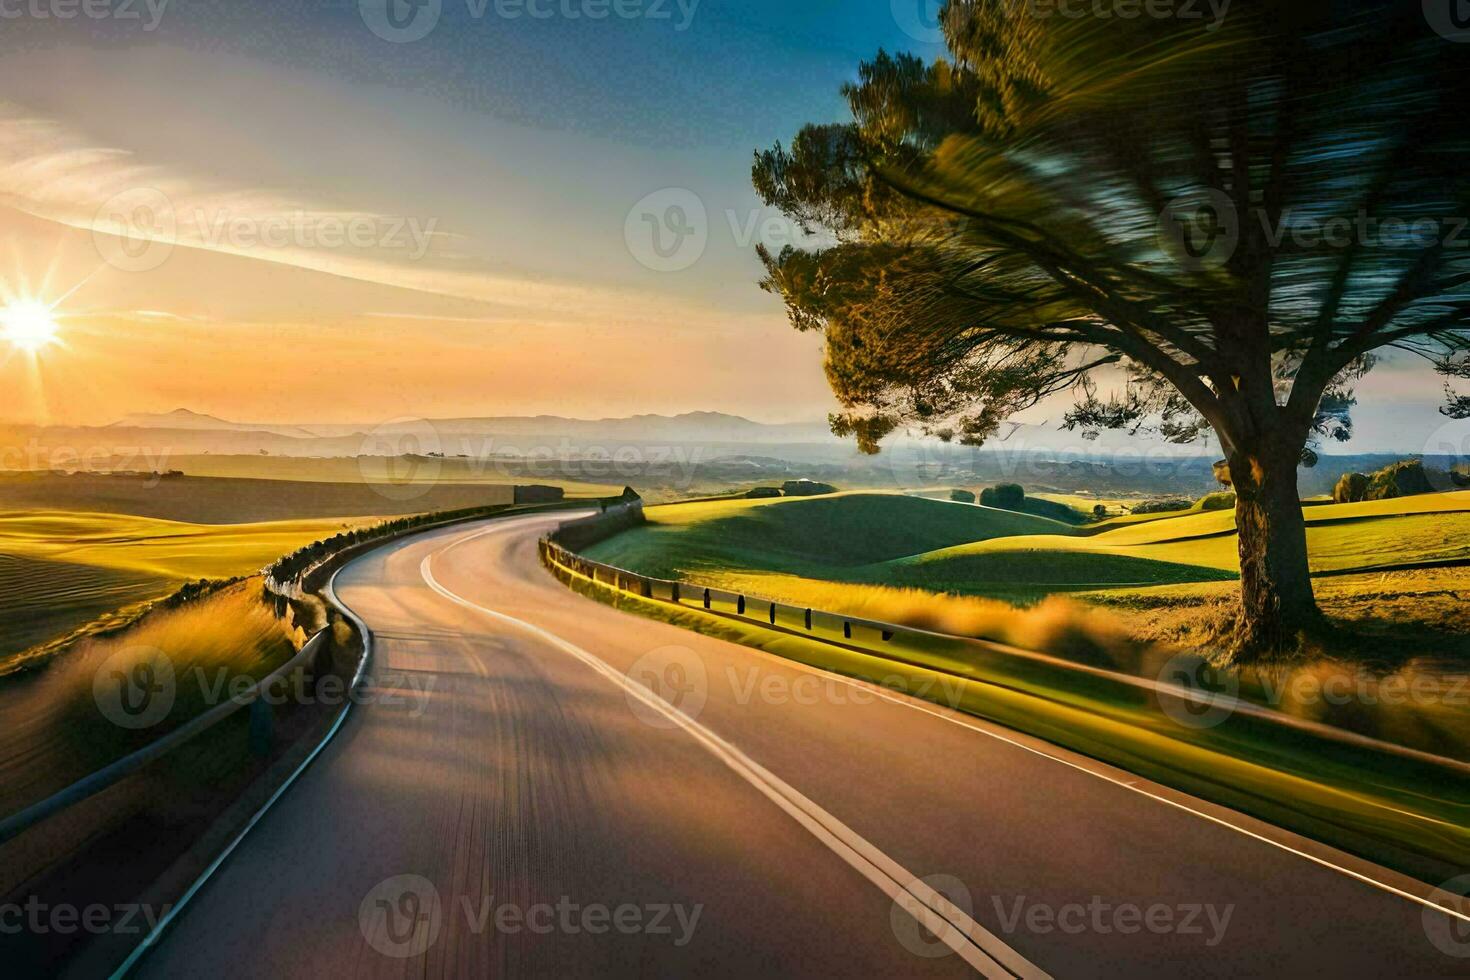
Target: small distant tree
<point x="1351" y="488"/>
<point x="1221" y="225"/>
<point x="962" y="496"/>
<point x="1402" y="479"/>
<point x="1099" y="511"/>
<point x="1007" y="496"/>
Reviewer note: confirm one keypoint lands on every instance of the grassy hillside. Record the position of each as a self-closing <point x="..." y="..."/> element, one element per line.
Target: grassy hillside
<point x="806" y="535"/>
<point x="210" y="500"/>
<point x="60" y="571"/>
<point x="796" y="550"/>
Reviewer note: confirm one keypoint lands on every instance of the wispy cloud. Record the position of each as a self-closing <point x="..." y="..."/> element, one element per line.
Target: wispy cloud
<point x="138" y="211"/>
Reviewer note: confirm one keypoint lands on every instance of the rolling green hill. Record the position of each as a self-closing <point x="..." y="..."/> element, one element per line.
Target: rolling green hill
<point x="913" y="542"/>
<point x="806" y="535"/>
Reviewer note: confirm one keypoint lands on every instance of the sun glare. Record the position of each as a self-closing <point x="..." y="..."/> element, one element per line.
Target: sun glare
<point x="28" y="325"/>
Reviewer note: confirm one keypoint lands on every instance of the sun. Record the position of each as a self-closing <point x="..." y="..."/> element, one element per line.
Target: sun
<point x="28" y="325"/>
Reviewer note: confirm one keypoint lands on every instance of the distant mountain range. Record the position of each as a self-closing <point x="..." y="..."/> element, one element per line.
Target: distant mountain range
<point x="183" y="418"/>
<point x="691" y="427"/>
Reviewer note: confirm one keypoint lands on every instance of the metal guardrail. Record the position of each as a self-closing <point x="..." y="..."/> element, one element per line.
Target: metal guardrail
<point x="762" y="611"/>
<point x="260" y="725"/>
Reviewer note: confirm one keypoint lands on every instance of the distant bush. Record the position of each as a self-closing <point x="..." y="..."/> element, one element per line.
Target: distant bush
<point x="1099" y="511"/>
<point x="806" y="488"/>
<point x="538" y="495"/>
<point x="1052" y="510"/>
<point x="1007" y="496"/>
<point x="1165" y="506"/>
<point x="1403" y="479"/>
<point x="962" y="496"/>
<point x="1351" y="488"/>
<point x="1224" y="500"/>
<point x="758" y="493"/>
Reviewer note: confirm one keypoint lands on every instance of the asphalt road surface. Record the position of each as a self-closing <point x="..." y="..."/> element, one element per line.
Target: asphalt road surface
<point x="541" y="785"/>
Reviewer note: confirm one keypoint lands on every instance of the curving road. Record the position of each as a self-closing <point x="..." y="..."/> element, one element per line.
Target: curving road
<point x="511" y="803"/>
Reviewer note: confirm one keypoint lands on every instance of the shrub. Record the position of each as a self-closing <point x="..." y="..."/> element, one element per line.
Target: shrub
<point x="1051" y="509"/>
<point x="962" y="496"/>
<point x="760" y="493"/>
<point x="1007" y="496"/>
<point x="806" y="488"/>
<point x="1164" y="506"/>
<point x="1351" y="488"/>
<point x="1403" y="479"/>
<point x="1099" y="511"/>
<point x="1224" y="500"/>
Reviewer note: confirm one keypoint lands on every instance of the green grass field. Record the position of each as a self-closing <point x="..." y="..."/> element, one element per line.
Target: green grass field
<point x="61" y="571"/>
<point x="1166" y="577"/>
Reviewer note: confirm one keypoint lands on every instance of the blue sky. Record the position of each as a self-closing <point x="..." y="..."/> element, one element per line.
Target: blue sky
<point x="510" y="165"/>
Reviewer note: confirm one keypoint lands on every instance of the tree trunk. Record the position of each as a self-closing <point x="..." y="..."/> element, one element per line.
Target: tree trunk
<point x="1276" y="600"/>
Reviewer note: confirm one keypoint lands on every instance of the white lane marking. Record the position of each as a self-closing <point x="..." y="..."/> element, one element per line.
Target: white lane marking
<point x="964" y="722"/>
<point x="976" y="945"/>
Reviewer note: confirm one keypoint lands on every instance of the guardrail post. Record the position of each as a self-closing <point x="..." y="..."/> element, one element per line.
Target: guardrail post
<point x="706" y="598"/>
<point x="808" y="619"/>
<point x="740" y="605"/>
<point x="773" y="614"/>
<point x="887" y="635"/>
<point x="262" y="726"/>
<point x="674" y="592"/>
<point x="847" y="629"/>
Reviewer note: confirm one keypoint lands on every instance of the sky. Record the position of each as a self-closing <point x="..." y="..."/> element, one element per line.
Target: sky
<point x="348" y="212"/>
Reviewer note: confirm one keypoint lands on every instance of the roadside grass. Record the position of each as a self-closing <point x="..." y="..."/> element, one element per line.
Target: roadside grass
<point x="63" y="572"/>
<point x="56" y="731"/>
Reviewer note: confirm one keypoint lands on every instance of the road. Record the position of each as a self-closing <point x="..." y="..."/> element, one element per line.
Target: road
<point x="510" y="802"/>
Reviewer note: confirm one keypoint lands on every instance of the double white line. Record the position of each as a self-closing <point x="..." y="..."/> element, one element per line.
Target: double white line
<point x="949" y="923"/>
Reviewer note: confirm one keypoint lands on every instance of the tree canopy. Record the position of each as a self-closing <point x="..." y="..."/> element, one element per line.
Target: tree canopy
<point x="1218" y="226"/>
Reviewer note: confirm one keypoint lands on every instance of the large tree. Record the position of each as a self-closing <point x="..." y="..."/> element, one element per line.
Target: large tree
<point x="1195" y="228"/>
